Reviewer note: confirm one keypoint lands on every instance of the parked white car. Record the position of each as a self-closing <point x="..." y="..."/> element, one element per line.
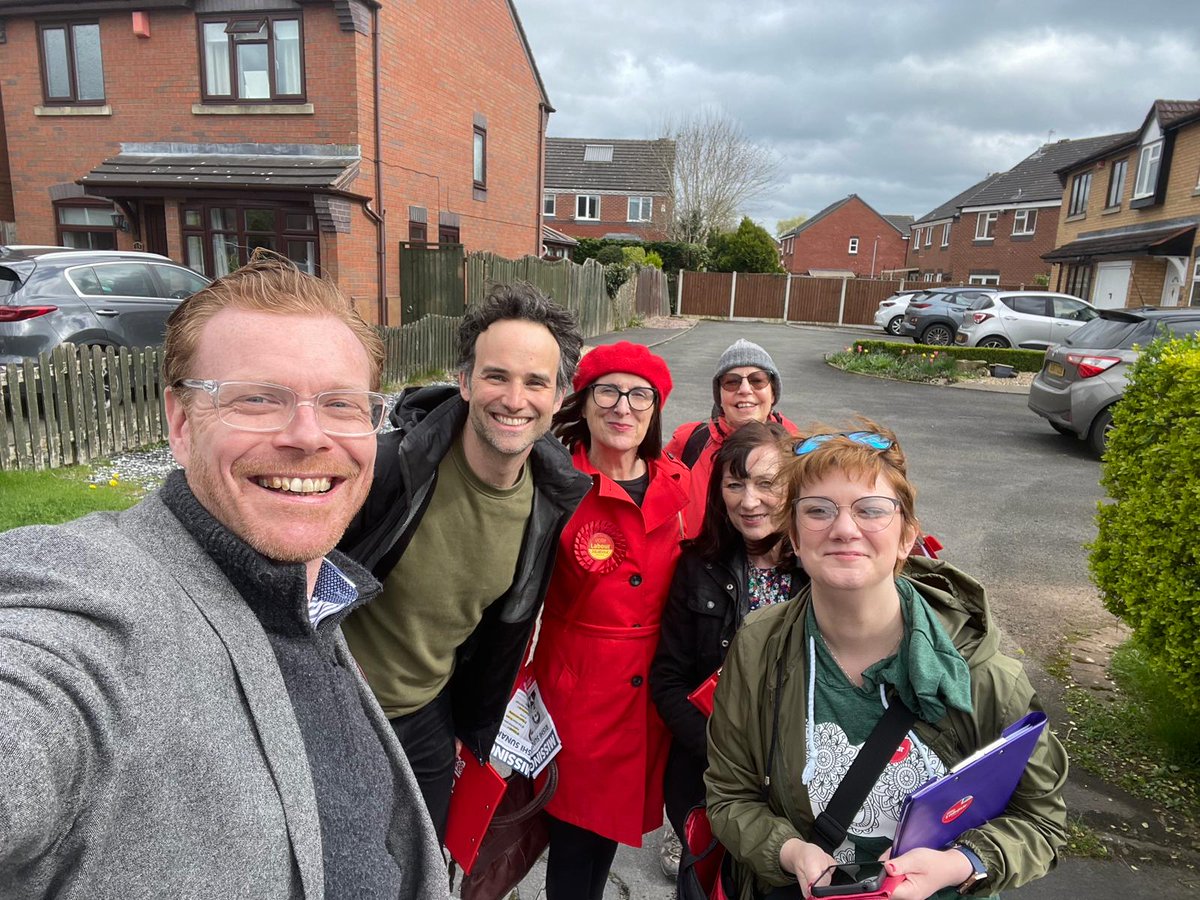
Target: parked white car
<point x="1031" y="320"/>
<point x="891" y="311"/>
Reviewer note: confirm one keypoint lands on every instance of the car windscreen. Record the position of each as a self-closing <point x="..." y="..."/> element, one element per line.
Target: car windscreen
<point x="1107" y="334"/>
<point x="10" y="281"/>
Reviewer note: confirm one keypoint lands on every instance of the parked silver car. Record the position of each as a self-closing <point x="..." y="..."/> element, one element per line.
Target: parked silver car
<point x="1082" y="378"/>
<point x="112" y="298"/>
<point x="1031" y="320"/>
<point x="890" y="314"/>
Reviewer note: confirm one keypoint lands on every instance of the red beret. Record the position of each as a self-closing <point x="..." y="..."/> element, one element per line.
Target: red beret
<point x="624" y="356"/>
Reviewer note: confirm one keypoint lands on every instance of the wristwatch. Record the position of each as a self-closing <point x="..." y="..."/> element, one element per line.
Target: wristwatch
<point x="979" y="872"/>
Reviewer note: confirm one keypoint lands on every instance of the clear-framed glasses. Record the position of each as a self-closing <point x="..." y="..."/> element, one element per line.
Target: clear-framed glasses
<point x="866" y="438"/>
<point x="732" y="382"/>
<point x="609" y="395"/>
<point x="258" y="406"/>
<point x="869" y="513"/>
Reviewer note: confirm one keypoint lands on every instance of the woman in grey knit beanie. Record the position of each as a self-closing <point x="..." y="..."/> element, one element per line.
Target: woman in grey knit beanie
<point x="746" y="387"/>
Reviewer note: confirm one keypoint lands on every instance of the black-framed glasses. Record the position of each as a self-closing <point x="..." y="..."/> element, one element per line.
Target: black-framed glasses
<point x="609" y="395"/>
<point x="866" y="438"/>
<point x="732" y="382"/>
<point x="260" y="406"/>
<point x="870" y="514"/>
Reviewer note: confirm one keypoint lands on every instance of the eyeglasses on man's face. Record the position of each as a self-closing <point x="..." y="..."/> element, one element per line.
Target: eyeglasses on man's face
<point x="870" y="514"/>
<point x="732" y="382"/>
<point x="263" y="407"/>
<point x="607" y="396"/>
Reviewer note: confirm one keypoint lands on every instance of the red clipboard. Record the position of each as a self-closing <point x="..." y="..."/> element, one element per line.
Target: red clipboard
<point x="474" y="797"/>
<point x="702" y="697"/>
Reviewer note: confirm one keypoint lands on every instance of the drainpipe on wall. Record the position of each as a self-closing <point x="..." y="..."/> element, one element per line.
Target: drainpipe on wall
<point x="381" y="212"/>
<point x="543" y="116"/>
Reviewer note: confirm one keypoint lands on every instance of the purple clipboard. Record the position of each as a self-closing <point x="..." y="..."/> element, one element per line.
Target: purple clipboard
<point x="975" y="790"/>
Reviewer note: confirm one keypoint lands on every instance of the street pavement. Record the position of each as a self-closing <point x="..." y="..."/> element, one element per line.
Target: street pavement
<point x="1013" y="502"/>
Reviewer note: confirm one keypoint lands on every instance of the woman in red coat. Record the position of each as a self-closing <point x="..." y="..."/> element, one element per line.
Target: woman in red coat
<point x="600" y="624"/>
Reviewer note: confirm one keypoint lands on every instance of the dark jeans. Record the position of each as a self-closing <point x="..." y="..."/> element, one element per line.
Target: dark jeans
<point x="427" y="737"/>
<point x="577" y="868"/>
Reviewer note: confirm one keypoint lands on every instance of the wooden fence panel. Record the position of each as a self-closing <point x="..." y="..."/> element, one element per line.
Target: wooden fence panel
<point x="432" y="280"/>
<point x="759" y="296"/>
<point x="653" y="296"/>
<point x="862" y="299"/>
<point x="814" y="299"/>
<point x="705" y="294"/>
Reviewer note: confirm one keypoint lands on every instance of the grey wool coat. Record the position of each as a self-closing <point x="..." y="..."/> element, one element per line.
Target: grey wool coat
<point x="148" y="747"/>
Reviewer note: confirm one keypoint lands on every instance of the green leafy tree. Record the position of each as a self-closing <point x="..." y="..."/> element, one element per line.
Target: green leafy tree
<point x="783" y="226"/>
<point x="749" y="249"/>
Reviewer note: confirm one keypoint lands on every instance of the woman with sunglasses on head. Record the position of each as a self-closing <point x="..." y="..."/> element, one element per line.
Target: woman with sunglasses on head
<point x="740" y="562"/>
<point x="805" y="683"/>
<point x="746" y="388"/>
<point x="602" y="614"/>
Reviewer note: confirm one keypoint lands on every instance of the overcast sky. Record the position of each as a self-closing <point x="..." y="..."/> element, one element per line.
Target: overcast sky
<point x="903" y="103"/>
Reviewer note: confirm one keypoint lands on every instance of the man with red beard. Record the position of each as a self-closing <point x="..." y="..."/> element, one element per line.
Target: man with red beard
<point x="179" y="714"/>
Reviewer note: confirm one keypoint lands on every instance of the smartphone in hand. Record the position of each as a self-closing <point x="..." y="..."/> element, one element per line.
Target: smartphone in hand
<point x="856" y="881"/>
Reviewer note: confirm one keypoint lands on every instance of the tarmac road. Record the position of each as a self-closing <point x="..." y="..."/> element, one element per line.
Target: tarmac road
<point x="1014" y="503"/>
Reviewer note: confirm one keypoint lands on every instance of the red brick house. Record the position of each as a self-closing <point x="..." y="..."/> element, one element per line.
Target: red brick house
<point x="996" y="231"/>
<point x="1132" y="236"/>
<point x="845" y="238"/>
<point x="328" y="130"/>
<point x="609" y="188"/>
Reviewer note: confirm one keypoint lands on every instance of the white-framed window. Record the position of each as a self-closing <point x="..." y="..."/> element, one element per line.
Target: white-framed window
<point x="1116" y="183"/>
<point x="853" y="248"/>
<point x="928" y="235"/>
<point x="916" y="238"/>
<point x="479" y="149"/>
<point x="587" y="206"/>
<point x="946" y="235"/>
<point x="548" y="205"/>
<point x="641" y="209"/>
<point x="1149" y="160"/>
<point x="1081" y="186"/>
<point x="1024" y="221"/>
<point x="985" y="226"/>
<point x="983" y="279"/>
<point x="927" y="276"/>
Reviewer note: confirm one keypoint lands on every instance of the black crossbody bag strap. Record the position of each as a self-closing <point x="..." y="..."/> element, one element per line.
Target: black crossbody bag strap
<point x="830" y="827"/>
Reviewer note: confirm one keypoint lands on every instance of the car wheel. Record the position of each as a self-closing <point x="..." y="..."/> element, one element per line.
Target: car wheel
<point x="1101" y="426"/>
<point x="938" y="335"/>
<point x="995" y="342"/>
<point x="893" y="325"/>
<point x="1061" y="429"/>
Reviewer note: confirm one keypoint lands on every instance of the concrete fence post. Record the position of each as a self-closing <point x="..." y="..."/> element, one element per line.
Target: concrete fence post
<point x="732" y="293"/>
<point x="679" y="293"/>
<point x="842" y="302"/>
<point x="787" y="295"/>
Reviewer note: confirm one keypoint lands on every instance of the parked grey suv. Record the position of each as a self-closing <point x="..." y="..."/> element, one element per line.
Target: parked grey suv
<point x="1083" y="378"/>
<point x="112" y="298"/>
<point x="934" y="317"/>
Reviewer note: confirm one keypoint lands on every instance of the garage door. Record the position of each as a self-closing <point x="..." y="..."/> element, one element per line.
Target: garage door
<point x="1112" y="285"/>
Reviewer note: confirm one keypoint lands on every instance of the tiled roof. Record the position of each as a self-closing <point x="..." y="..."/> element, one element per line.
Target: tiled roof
<point x="1125" y="241"/>
<point x="141" y="166"/>
<point x="949" y="209"/>
<point x="636" y="166"/>
<point x="900" y="223"/>
<point x="1035" y="177"/>
<point x="1171" y="111"/>
<point x="557" y="237"/>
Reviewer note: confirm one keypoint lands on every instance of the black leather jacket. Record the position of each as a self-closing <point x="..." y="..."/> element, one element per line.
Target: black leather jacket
<point x="428" y="421"/>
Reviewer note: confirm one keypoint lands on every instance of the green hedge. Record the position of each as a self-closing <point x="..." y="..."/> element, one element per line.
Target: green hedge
<point x="1146" y="557"/>
<point x="1021" y="360"/>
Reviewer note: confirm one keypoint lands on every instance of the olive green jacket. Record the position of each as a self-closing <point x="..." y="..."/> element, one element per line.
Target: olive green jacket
<point x="1017" y="847"/>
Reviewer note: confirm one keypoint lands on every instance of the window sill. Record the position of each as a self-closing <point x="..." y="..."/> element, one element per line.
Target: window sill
<point x="1022" y="237"/>
<point x="1078" y="217"/>
<point x="104" y="110"/>
<point x="984" y="242"/>
<point x="1109" y="210"/>
<point x="252" y="109"/>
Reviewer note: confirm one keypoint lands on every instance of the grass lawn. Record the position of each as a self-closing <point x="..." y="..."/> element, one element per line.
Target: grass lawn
<point x="58" y="495"/>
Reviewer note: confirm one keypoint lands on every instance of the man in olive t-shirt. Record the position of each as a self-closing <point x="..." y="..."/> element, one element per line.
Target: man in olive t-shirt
<point x="469" y="498"/>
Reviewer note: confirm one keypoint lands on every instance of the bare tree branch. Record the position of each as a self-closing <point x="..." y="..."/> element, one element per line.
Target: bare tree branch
<point x="716" y="172"/>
